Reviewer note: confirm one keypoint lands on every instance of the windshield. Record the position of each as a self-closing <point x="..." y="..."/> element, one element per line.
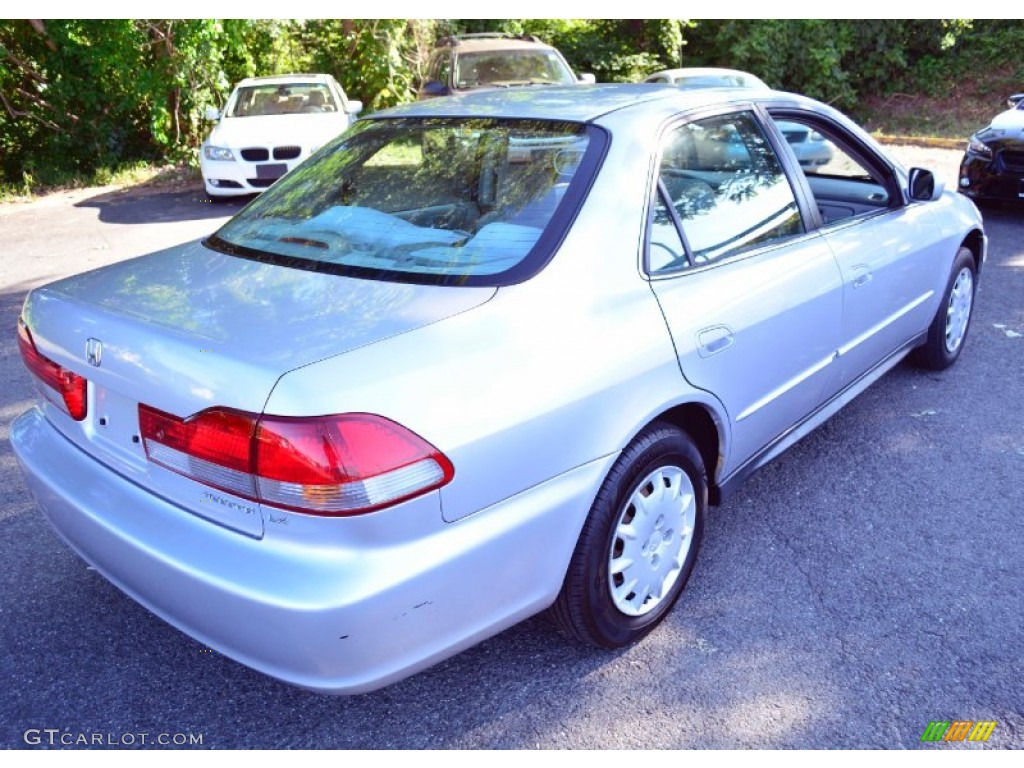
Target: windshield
<point x="719" y="81"/>
<point x="511" y="67"/>
<point x="470" y="202"/>
<point x="282" y="99"/>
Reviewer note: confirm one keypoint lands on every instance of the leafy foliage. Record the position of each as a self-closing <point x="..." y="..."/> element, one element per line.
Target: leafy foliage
<point x="79" y="95"/>
<point x="833" y="60"/>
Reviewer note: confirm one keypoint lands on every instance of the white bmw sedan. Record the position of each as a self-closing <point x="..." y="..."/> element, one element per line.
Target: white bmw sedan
<point x="268" y="126"/>
<point x="476" y="359"/>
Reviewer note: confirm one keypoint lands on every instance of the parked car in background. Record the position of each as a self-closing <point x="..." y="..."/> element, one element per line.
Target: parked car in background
<point x="470" y="62"/>
<point x="479" y="357"/>
<point x="268" y="126"/>
<point x="706" y="77"/>
<point x="811" y="148"/>
<point x="993" y="165"/>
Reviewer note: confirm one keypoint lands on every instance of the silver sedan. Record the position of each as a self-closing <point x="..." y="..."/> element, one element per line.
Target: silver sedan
<point x="479" y="358"/>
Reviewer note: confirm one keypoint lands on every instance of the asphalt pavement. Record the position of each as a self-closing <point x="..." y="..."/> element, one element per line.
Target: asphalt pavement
<point x="864" y="584"/>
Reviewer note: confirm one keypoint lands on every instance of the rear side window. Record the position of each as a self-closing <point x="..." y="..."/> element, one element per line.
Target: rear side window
<point x="722" y="185"/>
<point x="467" y="201"/>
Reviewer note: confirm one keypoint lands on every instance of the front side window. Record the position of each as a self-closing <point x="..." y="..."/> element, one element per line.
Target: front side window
<point x="425" y="200"/>
<point x="844" y="181"/>
<point x="433" y="67"/>
<point x="443" y="76"/>
<point x="727" y="189"/>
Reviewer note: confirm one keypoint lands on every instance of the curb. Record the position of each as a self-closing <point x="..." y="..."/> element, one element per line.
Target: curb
<point x="930" y="142"/>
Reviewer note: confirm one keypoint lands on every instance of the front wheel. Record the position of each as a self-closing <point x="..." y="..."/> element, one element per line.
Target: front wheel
<point x="639" y="544"/>
<point x="948" y="330"/>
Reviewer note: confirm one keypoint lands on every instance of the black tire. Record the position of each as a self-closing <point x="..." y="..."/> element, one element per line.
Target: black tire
<point x="948" y="331"/>
<point x="586" y="609"/>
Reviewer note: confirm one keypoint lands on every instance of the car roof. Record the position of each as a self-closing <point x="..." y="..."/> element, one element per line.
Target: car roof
<point x="574" y="103"/>
<point x="496" y="44"/>
<point x="489" y="42"/>
<point x="284" y="79"/>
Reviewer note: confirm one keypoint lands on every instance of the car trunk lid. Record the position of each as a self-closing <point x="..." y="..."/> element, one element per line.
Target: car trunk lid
<point x="188" y="329"/>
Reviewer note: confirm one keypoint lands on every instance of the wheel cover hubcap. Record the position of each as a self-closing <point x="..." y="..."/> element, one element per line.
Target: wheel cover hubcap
<point x="958" y="313"/>
<point x="651" y="541"/>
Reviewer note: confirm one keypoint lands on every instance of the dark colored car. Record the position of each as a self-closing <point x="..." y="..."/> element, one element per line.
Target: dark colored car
<point x="470" y="62"/>
<point x="993" y="166"/>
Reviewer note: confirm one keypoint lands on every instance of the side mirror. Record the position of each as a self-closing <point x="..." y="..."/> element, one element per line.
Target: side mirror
<point x="212" y="114"/>
<point x="1014" y="100"/>
<point x="586" y="78"/>
<point x="354" y="107"/>
<point x="923" y="185"/>
<point x="433" y="88"/>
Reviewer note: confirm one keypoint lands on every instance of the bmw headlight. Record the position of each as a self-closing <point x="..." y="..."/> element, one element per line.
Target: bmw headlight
<point x="217" y="153"/>
<point x="979" y="148"/>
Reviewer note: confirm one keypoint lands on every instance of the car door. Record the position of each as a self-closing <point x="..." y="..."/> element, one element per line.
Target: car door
<point x="886" y="255"/>
<point x="753" y="300"/>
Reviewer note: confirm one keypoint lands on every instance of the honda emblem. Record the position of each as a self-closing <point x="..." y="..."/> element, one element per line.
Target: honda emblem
<point x="93" y="352"/>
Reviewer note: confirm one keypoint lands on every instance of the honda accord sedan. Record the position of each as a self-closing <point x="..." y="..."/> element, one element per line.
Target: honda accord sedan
<point x="476" y="359"/>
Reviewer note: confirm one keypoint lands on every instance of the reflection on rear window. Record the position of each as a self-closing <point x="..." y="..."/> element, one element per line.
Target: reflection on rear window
<point x="441" y="198"/>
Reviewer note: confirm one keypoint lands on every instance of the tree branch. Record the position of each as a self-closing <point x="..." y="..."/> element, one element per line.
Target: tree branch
<point x="24" y="67"/>
<point x="40" y="27"/>
<point x="16" y="114"/>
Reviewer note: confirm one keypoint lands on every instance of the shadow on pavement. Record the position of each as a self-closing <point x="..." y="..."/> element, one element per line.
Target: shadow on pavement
<point x="152" y="205"/>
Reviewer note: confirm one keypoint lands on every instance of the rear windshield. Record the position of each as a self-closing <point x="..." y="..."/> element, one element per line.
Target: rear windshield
<point x="472" y="202"/>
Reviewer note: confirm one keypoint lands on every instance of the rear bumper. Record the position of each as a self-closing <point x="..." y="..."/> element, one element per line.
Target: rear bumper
<point x="325" y="616"/>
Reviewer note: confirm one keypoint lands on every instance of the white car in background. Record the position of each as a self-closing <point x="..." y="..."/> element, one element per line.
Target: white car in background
<point x="269" y="126"/>
<point x="706" y="77"/>
<point x="812" y="150"/>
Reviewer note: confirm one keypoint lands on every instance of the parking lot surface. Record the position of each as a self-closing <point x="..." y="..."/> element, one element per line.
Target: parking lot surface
<point x="862" y="585"/>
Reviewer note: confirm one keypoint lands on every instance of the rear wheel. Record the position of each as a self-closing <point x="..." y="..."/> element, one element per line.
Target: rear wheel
<point x="948" y="330"/>
<point x="639" y="544"/>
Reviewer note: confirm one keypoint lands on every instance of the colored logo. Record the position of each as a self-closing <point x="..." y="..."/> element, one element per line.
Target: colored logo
<point x="958" y="730"/>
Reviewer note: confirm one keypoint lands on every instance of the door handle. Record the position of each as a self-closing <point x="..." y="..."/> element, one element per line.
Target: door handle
<point x="711" y="341"/>
<point x="862" y="276"/>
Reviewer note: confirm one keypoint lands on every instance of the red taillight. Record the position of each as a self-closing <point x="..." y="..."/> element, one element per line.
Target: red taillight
<point x="214" y="446"/>
<point x="70" y="386"/>
<point x="330" y="465"/>
<point x="355" y="462"/>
